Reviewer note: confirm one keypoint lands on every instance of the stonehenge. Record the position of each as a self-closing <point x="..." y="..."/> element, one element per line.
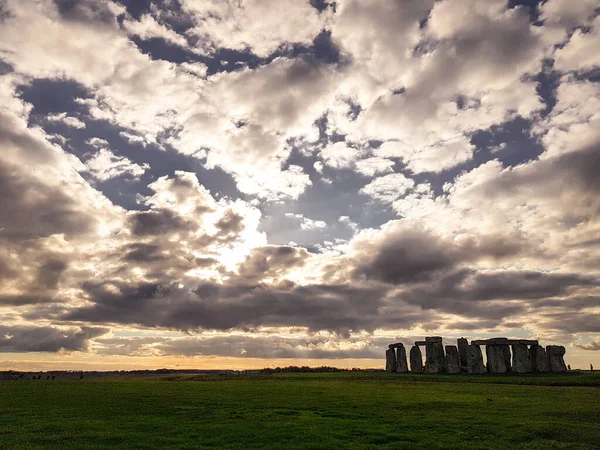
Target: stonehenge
<point x="539" y="360"/>
<point x="390" y="360"/>
<point x="435" y="359"/>
<point x="475" y="360"/>
<point x="452" y="359"/>
<point x="503" y="355"/>
<point x="498" y="358"/>
<point x="555" y="354"/>
<point x="462" y="351"/>
<point x="521" y="360"/>
<point x="416" y="359"/>
<point x="401" y="364"/>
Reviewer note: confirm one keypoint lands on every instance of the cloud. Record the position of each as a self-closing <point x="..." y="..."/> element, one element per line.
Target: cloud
<point x="339" y="155"/>
<point x="46" y="339"/>
<point x="105" y="165"/>
<point x="388" y="188"/>
<point x="249" y="346"/>
<point x="578" y="53"/>
<point x="67" y="120"/>
<point x="394" y="168"/>
<point x="253" y="24"/>
<point x="403" y="254"/>
<point x="374" y="166"/>
<point x="593" y="346"/>
<point x="271" y="262"/>
<point x="224" y="307"/>
<point x="307" y="223"/>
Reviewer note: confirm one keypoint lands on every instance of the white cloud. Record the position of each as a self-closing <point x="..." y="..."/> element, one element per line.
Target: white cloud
<point x="254" y="24"/>
<point x="73" y="122"/>
<point x="581" y="52"/>
<point x="432" y="158"/>
<point x="568" y="13"/>
<point x="388" y="188"/>
<point x="105" y="165"/>
<point x="374" y="166"/>
<point x="340" y="156"/>
<point x="307" y="223"/>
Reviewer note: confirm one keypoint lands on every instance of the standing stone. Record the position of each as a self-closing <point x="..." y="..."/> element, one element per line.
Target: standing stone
<point x="435" y="361"/>
<point x="496" y="358"/>
<point x="475" y="359"/>
<point x="555" y="355"/>
<point x="416" y="359"/>
<point x="401" y="364"/>
<point x="521" y="361"/>
<point x="462" y="351"/>
<point x="390" y="360"/>
<point x="452" y="359"/>
<point x="539" y="359"/>
<point x="506" y="357"/>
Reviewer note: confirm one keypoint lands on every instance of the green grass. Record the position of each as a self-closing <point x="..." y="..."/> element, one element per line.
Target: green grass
<point x="340" y="410"/>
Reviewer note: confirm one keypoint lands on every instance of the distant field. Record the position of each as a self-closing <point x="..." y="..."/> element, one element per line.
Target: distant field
<point x="338" y="410"/>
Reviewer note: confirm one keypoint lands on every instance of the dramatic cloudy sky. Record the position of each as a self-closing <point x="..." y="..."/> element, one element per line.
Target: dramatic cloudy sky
<point x="244" y="183"/>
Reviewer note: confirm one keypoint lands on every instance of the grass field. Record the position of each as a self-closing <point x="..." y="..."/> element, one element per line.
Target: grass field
<point x="338" y="410"/>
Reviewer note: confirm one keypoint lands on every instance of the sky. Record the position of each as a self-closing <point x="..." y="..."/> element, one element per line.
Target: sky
<point x="248" y="183"/>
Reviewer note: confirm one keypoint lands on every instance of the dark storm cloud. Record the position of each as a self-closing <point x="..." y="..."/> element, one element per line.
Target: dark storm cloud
<point x="49" y="273"/>
<point x="4" y="11"/>
<point x="572" y="322"/>
<point x="474" y="324"/>
<point x="581" y="168"/>
<point x="214" y="306"/>
<point x="139" y="252"/>
<point x="575" y="171"/>
<point x="576" y="302"/>
<point x="6" y="269"/>
<point x="25" y="299"/>
<point x="409" y="257"/>
<point x="467" y="286"/>
<point x="413" y="255"/>
<point x="230" y="223"/>
<point x="31" y="209"/>
<point x="275" y="261"/>
<point x="157" y="222"/>
<point x="46" y="339"/>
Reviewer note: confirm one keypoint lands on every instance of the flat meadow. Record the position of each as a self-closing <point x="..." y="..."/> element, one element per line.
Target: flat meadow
<point x="308" y="411"/>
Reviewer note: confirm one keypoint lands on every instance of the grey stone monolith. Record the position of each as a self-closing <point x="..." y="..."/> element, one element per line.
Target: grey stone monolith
<point x="555" y="354"/>
<point x="521" y="361"/>
<point x="539" y="359"/>
<point x="496" y="358"/>
<point x="401" y="364"/>
<point x="462" y="352"/>
<point x="435" y="361"/>
<point x="475" y="360"/>
<point x="390" y="360"/>
<point x="507" y="358"/>
<point x="416" y="359"/>
<point x="452" y="359"/>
